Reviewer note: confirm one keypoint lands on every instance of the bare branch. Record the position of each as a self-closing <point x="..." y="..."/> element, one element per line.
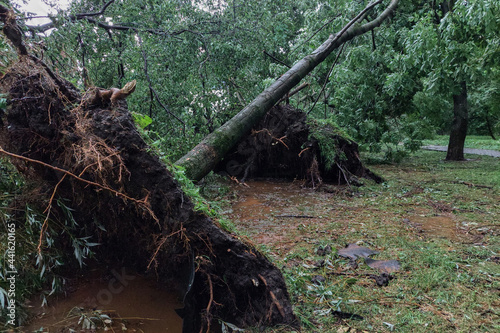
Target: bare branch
<point x="108" y="27"/>
<point x="314" y="34"/>
<point x="327" y="77"/>
<point x="276" y="59"/>
<point x="141" y="202"/>
<point x="152" y="90"/>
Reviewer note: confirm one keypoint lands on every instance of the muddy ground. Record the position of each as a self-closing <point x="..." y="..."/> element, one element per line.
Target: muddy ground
<point x="438" y="220"/>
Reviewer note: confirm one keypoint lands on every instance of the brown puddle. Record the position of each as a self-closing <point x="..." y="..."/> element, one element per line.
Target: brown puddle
<point x="274" y="212"/>
<point x="438" y="226"/>
<point x="133" y="302"/>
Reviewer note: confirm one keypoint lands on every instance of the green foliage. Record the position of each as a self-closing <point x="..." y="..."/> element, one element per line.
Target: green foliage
<point x="197" y="63"/>
<point x="459" y="47"/>
<point x="202" y="60"/>
<point x="324" y="131"/>
<point x="37" y="272"/>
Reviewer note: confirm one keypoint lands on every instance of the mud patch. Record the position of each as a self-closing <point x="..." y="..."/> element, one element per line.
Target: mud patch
<point x="132" y="302"/>
<point x="281" y="214"/>
<point x="436" y="226"/>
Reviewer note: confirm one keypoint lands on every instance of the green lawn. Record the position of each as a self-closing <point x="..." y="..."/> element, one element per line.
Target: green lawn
<point x="471" y="141"/>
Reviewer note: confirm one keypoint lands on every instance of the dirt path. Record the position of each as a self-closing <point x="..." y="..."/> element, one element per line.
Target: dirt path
<point x="484" y="152"/>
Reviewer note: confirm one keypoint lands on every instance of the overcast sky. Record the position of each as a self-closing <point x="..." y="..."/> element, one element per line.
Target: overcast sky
<point x="40" y="8"/>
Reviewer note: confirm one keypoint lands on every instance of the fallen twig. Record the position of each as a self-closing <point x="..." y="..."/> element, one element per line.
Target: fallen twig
<point x="473" y="185"/>
<point x="297" y="216"/>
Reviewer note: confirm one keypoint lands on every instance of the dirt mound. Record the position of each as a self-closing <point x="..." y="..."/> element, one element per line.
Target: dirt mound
<point x="285" y="145"/>
<point x="89" y="153"/>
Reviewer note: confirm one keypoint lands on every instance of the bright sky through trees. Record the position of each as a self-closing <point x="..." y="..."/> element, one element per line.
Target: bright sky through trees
<point x="40" y="8"/>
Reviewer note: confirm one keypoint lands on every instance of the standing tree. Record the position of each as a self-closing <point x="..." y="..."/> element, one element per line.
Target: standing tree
<point x="452" y="45"/>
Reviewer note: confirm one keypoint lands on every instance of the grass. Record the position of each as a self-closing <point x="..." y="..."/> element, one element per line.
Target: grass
<point x="471" y="141"/>
<point x="448" y="282"/>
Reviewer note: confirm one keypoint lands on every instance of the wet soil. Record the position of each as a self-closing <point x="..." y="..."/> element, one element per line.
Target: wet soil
<point x="437" y="226"/>
<point x="133" y="302"/>
<point x="287" y="215"/>
<point x="280" y="213"/>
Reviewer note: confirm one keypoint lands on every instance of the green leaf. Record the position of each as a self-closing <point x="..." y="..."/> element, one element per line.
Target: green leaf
<point x="141" y="120"/>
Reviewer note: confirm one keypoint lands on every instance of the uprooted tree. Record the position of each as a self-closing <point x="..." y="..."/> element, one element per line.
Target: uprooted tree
<point x="285" y="145"/>
<point x="207" y="154"/>
<point x="87" y="150"/>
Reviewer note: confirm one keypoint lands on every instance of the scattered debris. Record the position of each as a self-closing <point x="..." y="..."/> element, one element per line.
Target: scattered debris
<point x="347" y="315"/>
<point x="390" y="326"/>
<point x="323" y="251"/>
<point x="383" y="279"/>
<point x="386" y="266"/>
<point x="354" y="251"/>
<point x="318" y="279"/>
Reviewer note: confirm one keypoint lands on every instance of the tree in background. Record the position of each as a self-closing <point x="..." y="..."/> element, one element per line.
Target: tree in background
<point x="199" y="62"/>
<point x="454" y="45"/>
<point x="196" y="62"/>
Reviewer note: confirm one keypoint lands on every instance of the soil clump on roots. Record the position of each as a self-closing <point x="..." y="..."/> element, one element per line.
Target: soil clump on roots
<point x="88" y="152"/>
<point x="286" y="145"/>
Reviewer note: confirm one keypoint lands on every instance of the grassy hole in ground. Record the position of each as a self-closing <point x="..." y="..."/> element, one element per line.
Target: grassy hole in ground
<point x="439" y="219"/>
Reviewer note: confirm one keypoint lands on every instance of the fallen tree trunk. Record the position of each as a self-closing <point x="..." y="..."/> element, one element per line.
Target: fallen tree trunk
<point x="87" y="151"/>
<point x="207" y="154"/>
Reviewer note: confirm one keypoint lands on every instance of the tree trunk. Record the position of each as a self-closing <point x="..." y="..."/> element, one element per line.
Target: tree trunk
<point x="491" y="132"/>
<point x="207" y="154"/>
<point x="459" y="125"/>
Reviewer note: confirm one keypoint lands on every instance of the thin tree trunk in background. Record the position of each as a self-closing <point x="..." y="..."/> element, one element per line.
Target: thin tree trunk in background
<point x="205" y="156"/>
<point x="490" y="128"/>
<point x="459" y="125"/>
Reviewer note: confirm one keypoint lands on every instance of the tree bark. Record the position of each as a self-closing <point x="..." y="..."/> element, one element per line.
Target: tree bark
<point x="459" y="125"/>
<point x="207" y="154"/>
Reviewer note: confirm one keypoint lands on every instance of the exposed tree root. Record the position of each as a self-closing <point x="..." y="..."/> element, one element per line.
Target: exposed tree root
<point x="283" y="145"/>
<point x="91" y="155"/>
